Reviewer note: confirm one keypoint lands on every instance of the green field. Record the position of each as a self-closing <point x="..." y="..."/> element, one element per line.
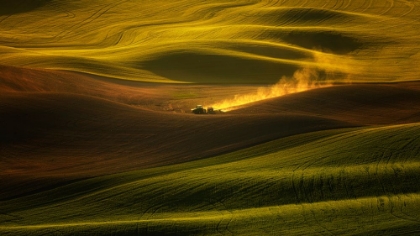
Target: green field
<point x="360" y="181"/>
<point x="316" y="131"/>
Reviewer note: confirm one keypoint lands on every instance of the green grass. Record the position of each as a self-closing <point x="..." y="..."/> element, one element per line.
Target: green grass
<point x="360" y="181"/>
<point x="348" y="181"/>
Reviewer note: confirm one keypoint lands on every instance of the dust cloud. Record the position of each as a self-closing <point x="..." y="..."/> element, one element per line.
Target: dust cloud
<point x="302" y="80"/>
<point x="321" y="74"/>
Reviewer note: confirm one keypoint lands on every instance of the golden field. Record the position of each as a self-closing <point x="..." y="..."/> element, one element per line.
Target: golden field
<point x="319" y="134"/>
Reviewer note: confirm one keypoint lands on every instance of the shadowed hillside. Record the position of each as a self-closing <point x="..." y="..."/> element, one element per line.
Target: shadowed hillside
<point x="54" y="135"/>
<point x="65" y="131"/>
<point x="20" y="6"/>
<point x="364" y="104"/>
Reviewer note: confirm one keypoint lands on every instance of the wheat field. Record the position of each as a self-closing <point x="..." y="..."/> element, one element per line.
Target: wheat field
<point x="215" y="41"/>
<point x="317" y="129"/>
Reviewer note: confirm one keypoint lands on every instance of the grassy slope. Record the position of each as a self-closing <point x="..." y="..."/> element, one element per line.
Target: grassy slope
<point x="59" y="128"/>
<point x="55" y="130"/>
<point x="241" y="41"/>
<point x="354" y="181"/>
<point x="49" y="135"/>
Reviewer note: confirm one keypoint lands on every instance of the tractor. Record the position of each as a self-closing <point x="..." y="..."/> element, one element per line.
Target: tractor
<point x="199" y="109"/>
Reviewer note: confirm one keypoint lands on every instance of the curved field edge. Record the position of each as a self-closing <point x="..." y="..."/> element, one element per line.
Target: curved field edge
<point x="355" y="181"/>
<point x="396" y="215"/>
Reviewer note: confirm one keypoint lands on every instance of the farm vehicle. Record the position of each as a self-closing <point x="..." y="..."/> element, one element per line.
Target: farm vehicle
<point x="199" y="109"/>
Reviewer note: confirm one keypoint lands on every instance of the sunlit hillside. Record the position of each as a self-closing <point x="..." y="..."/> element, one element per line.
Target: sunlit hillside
<point x="218" y="41"/>
<point x="209" y="117"/>
<point x="343" y="182"/>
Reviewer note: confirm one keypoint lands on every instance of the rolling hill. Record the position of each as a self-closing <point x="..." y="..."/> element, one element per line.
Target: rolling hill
<point x="319" y="134"/>
<point x="65" y="149"/>
<point x="348" y="181"/>
<point x="242" y="41"/>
